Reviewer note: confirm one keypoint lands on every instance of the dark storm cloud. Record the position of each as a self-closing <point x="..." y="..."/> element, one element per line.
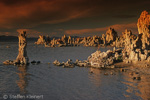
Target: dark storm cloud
<point x="15" y="14"/>
<point x="33" y="14"/>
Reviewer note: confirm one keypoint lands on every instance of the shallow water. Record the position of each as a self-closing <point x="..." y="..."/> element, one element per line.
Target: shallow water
<point x="56" y="83"/>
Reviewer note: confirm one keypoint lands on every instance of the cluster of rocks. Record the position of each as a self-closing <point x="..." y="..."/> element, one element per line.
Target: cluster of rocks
<point x="68" y="64"/>
<point x="35" y="62"/>
<point x="136" y="48"/>
<point x="106" y="59"/>
<point x="109" y="38"/>
<point x="124" y="38"/>
<point x="71" y="64"/>
<point x="98" y="60"/>
<point x="61" y="42"/>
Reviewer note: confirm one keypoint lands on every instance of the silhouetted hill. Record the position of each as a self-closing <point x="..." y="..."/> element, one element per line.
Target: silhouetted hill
<point x="4" y="38"/>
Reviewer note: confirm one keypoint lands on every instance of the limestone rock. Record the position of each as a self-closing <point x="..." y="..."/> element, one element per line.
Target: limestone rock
<point x="8" y="62"/>
<point x="111" y="35"/>
<point x="41" y="40"/>
<point x="144" y="23"/>
<point x="22" y="57"/>
<point x="69" y="64"/>
<point x="104" y="39"/>
<point x="101" y="59"/>
<point x="144" y="28"/>
<point x="82" y="63"/>
<point x="57" y="63"/>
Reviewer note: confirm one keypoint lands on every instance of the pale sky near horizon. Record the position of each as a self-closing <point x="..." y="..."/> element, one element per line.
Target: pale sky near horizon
<point x="70" y="17"/>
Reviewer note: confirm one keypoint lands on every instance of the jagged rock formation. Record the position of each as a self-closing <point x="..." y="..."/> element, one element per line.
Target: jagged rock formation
<point x="106" y="59"/>
<point x="68" y="64"/>
<point x="22" y="57"/>
<point x="91" y="41"/>
<point x="65" y="41"/>
<point x="144" y="23"/>
<point x="144" y="28"/>
<point x="41" y="40"/>
<point x="125" y="39"/>
<point x="104" y="39"/>
<point x="111" y="35"/>
<point x="135" y="48"/>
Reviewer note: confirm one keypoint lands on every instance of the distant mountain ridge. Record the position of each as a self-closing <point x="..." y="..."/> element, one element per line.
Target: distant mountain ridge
<point x="4" y="38"/>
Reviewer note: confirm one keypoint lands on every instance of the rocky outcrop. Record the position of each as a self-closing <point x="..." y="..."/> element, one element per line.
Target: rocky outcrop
<point x="92" y="41"/>
<point x="125" y="39"/>
<point x="138" y="49"/>
<point x="57" y="63"/>
<point x="144" y="28"/>
<point x="22" y="57"/>
<point x="104" y="39"/>
<point x="66" y="41"/>
<point x="144" y="23"/>
<point x="68" y="64"/>
<point x="111" y="35"/>
<point x="84" y="63"/>
<point x="41" y="40"/>
<point x="106" y="59"/>
<point x="8" y="62"/>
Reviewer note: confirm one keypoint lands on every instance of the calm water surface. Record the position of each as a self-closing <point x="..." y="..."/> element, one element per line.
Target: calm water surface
<point x="56" y="83"/>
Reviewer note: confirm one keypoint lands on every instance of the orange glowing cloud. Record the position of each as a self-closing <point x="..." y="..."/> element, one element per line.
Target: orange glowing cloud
<point x="30" y="13"/>
<point x="118" y="27"/>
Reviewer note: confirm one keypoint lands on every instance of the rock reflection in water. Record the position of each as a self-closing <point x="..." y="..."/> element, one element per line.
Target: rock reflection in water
<point x="139" y="88"/>
<point x="144" y="87"/>
<point x="22" y="82"/>
<point x="95" y="77"/>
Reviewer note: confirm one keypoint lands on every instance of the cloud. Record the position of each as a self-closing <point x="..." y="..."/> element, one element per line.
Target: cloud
<point x="47" y="16"/>
<point x="31" y="13"/>
<point x="118" y="27"/>
<point x="21" y="14"/>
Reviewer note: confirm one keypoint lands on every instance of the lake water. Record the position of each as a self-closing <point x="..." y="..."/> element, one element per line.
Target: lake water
<point x="48" y="82"/>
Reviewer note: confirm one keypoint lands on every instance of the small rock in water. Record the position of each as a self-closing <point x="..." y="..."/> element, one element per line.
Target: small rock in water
<point x="123" y="70"/>
<point x="131" y="73"/>
<point x="112" y="73"/>
<point x="138" y="78"/>
<point x="105" y="73"/>
<point x="57" y="63"/>
<point x="33" y="62"/>
<point x="68" y="64"/>
<point x="91" y="72"/>
<point x="38" y="62"/>
<point x="8" y="62"/>
<point x="134" y="78"/>
<point x="136" y="73"/>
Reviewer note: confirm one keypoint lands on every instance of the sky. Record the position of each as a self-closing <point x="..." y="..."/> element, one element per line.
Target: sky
<point x="70" y="17"/>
